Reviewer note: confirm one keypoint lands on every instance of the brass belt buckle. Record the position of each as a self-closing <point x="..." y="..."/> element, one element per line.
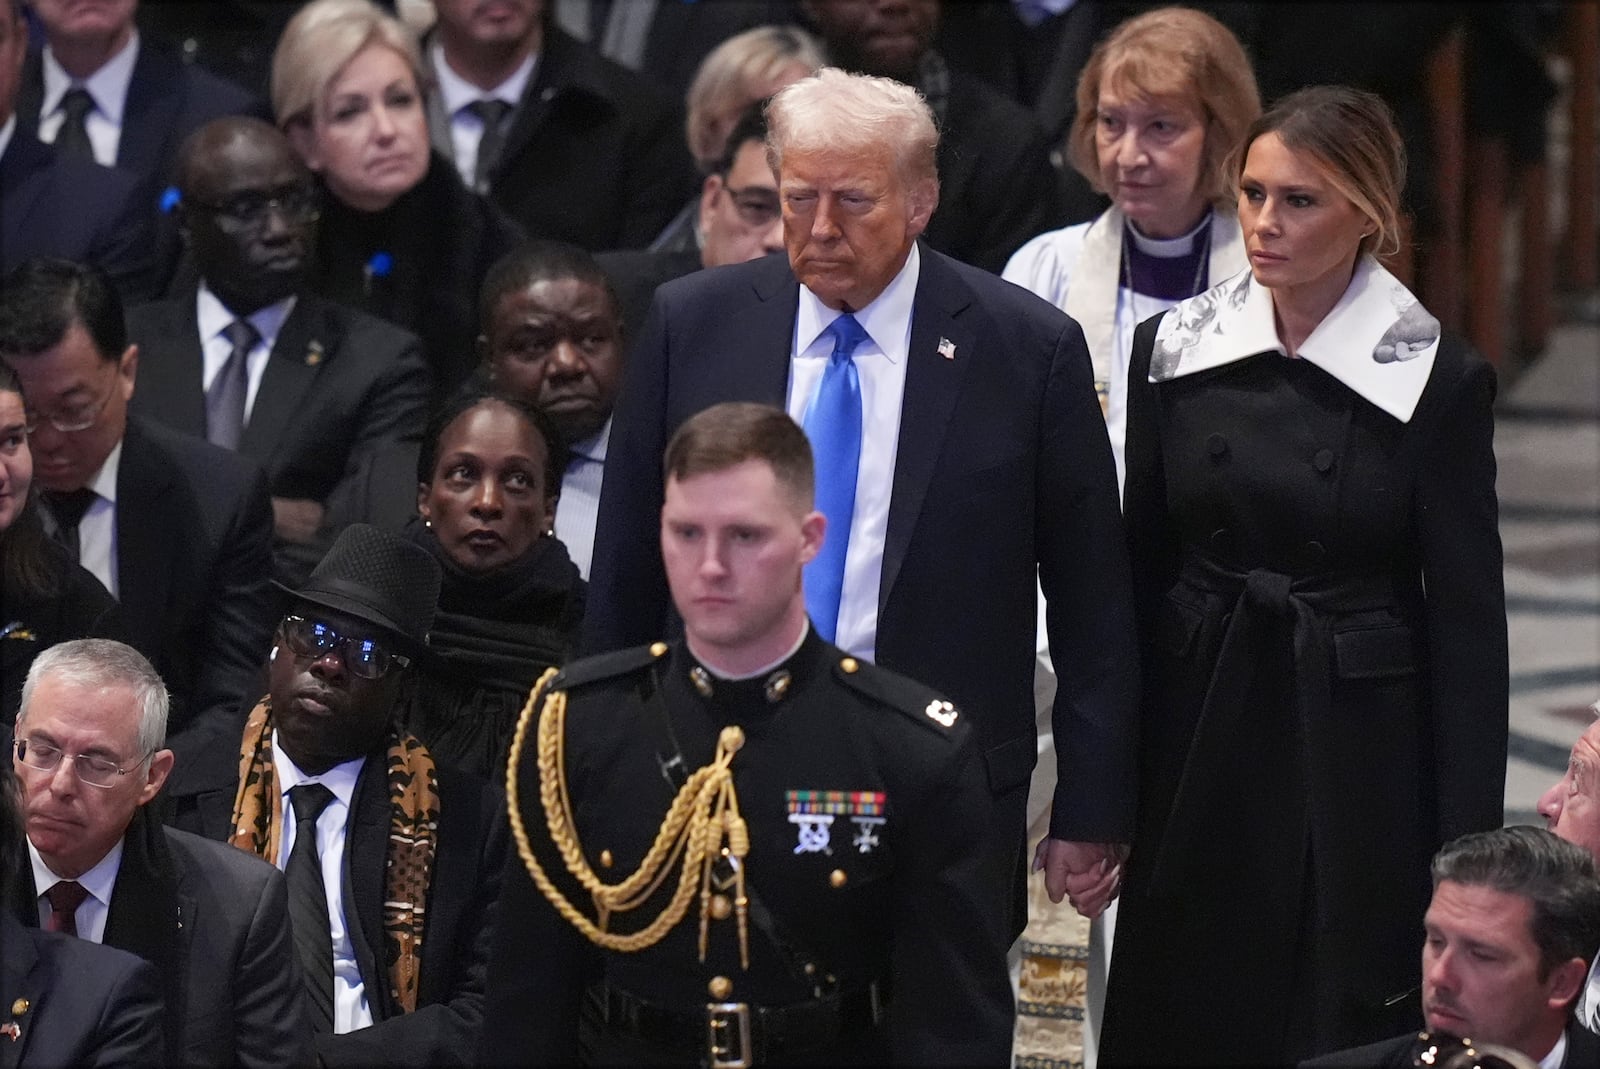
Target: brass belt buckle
<point x="728" y="1034"/>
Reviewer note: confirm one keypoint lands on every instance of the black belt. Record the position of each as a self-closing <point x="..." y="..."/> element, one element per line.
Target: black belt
<point x="734" y="1035"/>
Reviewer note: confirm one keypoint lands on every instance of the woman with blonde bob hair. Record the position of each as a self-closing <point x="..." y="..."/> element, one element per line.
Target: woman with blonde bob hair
<point x="1161" y="102"/>
<point x="1317" y="568"/>
<point x="401" y="237"/>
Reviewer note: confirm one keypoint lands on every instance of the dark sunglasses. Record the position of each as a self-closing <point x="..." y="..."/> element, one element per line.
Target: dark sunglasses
<point x="366" y="658"/>
<point x="249" y="211"/>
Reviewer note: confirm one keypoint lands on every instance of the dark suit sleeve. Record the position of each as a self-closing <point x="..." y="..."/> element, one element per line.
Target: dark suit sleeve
<point x="269" y="1022"/>
<point x="1083" y="571"/>
<point x="125" y="247"/>
<point x="952" y="999"/>
<point x="129" y="1034"/>
<point x="628" y="600"/>
<point x="1457" y="518"/>
<point x="446" y="1030"/>
<point x="660" y="174"/>
<point x="241" y="610"/>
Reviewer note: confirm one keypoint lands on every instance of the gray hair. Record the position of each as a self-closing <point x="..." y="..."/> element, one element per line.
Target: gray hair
<point x="834" y="111"/>
<point x="320" y="41"/>
<point x="1557" y="878"/>
<point x="95" y="663"/>
<point x="735" y="75"/>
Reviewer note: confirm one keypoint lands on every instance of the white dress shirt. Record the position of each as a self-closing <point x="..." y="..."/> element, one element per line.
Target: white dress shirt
<point x="109" y="88"/>
<point x="1587" y="1008"/>
<point x="97" y="530"/>
<point x="350" y="1009"/>
<point x="881" y="364"/>
<point x="1557" y="1056"/>
<point x="7" y="128"/>
<point x="99" y="881"/>
<point x="580" y="497"/>
<point x="214" y="319"/>
<point x="466" y="129"/>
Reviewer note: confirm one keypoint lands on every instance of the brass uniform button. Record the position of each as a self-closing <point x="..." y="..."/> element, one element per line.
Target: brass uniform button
<point x="605" y="859"/>
<point x="849" y="666"/>
<point x="702" y="681"/>
<point x="720" y="988"/>
<point x="658" y="649"/>
<point x="837" y="878"/>
<point x="721" y="908"/>
<point x="20" y="1007"/>
<point x="777" y="686"/>
<point x="732" y="738"/>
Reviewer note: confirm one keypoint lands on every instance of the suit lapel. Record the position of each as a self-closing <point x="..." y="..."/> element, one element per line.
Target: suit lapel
<point x="30" y="94"/>
<point x="933" y="385"/>
<point x="147" y="915"/>
<point x="305" y="344"/>
<point x="172" y="372"/>
<point x="769" y="325"/>
<point x="144" y="542"/>
<point x="20" y="979"/>
<point x="151" y="110"/>
<point x="24" y="175"/>
<point x="365" y="855"/>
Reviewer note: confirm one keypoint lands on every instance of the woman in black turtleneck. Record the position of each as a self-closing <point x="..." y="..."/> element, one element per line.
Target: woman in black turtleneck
<point x="401" y="237"/>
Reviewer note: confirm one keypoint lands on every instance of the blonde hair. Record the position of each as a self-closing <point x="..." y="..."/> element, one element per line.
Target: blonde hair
<point x="1350" y="136"/>
<point x="321" y="39"/>
<point x="1177" y="52"/>
<point x="855" y="114"/>
<point x="736" y="74"/>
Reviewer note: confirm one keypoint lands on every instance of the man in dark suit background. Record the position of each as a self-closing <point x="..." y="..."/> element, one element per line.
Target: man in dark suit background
<point x="50" y="206"/>
<point x="974" y="402"/>
<point x="252" y="361"/>
<point x="1514" y="922"/>
<point x="393" y="861"/>
<point x="571" y="145"/>
<point x="89" y="753"/>
<point x="178" y="530"/>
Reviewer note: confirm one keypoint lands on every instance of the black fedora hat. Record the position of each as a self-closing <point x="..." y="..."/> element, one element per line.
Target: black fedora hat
<point x="379" y="578"/>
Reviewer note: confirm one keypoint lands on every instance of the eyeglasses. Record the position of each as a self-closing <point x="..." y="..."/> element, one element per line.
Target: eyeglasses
<point x="93" y="770"/>
<point x="250" y="211"/>
<point x="74" y="417"/>
<point x="756" y="206"/>
<point x="365" y="658"/>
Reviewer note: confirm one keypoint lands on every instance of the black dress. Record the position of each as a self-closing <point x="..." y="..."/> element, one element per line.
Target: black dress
<point x="417" y="263"/>
<point x="1322" y="615"/>
<point x="492" y="638"/>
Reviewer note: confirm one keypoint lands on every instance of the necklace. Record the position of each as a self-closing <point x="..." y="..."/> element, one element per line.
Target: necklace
<point x="1203" y="240"/>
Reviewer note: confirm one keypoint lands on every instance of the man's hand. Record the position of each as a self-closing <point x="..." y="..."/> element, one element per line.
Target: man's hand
<point x="296" y="519"/>
<point x="1088" y="875"/>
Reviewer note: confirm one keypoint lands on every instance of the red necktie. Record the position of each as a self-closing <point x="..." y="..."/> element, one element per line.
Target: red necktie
<point x="65" y="898"/>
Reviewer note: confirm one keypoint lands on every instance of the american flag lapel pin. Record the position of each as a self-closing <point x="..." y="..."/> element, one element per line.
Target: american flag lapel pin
<point x="947" y="348"/>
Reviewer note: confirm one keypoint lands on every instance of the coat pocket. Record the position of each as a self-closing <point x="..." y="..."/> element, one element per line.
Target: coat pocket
<point x="1374" y="652"/>
<point x="1011" y="763"/>
<point x="1176" y="628"/>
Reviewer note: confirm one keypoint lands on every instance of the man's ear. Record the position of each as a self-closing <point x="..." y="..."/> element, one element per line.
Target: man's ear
<point x="813" y="530"/>
<point x="924" y="201"/>
<point x="708" y="197"/>
<point x="1565" y="982"/>
<point x="128" y="371"/>
<point x="160" y="768"/>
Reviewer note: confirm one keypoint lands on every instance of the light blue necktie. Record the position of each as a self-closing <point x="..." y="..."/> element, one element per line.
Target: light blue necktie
<point x="834" y="426"/>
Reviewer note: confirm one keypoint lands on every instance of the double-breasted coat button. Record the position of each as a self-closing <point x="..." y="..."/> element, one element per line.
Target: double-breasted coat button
<point x="1323" y="461"/>
<point x="1315" y="552"/>
<point x="1217" y="446"/>
<point x="837" y="879"/>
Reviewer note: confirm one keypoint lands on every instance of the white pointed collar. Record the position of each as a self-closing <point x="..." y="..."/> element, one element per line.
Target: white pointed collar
<point x="1378" y="340"/>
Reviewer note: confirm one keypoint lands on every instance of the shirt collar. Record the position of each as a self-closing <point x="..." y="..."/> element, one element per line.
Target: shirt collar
<point x="108" y="85"/>
<point x="98" y="881"/>
<point x="340" y="779"/>
<point x="594" y="447"/>
<point x="886" y="318"/>
<point x="214" y="316"/>
<point x="457" y="92"/>
<point x="1557" y="1055"/>
<point x="104" y="482"/>
<point x="1378" y="339"/>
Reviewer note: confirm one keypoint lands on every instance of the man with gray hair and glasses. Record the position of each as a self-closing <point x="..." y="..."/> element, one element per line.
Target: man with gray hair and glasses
<point x="1571" y="809"/>
<point x="212" y="920"/>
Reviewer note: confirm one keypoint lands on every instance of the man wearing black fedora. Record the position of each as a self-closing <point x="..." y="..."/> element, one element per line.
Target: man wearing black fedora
<point x="393" y="861"/>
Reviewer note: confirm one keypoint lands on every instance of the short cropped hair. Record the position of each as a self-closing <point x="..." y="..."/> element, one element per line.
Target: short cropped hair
<point x="42" y="298"/>
<point x="475" y="391"/>
<point x="1350" y="136"/>
<point x="752" y="126"/>
<point x="1177" y="52"/>
<point x="321" y="39"/>
<point x="102" y="662"/>
<point x="855" y="114"/>
<point x="725" y="435"/>
<point x="541" y="260"/>
<point x="737" y="73"/>
<point x="1558" y="879"/>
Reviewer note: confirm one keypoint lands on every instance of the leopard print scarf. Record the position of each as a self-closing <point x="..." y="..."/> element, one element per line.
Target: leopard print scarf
<point x="413" y="831"/>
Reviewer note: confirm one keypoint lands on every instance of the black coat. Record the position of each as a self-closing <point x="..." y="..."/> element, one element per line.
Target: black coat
<point x="903" y="903"/>
<point x="1583" y="1050"/>
<point x="76" y="607"/>
<point x="1320" y="597"/>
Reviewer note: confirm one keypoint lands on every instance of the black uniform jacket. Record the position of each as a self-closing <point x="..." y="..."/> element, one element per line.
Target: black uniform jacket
<point x="887" y="888"/>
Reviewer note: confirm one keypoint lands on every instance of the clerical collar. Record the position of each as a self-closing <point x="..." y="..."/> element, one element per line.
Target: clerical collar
<point x="1167" y="248"/>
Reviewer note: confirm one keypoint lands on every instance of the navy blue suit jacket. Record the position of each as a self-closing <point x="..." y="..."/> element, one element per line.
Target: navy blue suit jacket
<point x="1003" y="472"/>
<point x="76" y="210"/>
<point x="82" y="1004"/>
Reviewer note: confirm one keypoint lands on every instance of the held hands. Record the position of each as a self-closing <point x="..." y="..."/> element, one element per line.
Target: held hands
<point x="1088" y="875"/>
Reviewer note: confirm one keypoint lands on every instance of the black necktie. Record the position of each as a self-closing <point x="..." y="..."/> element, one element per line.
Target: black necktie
<point x="308" y="904"/>
<point x="73" y="138"/>
<point x="68" y="507"/>
<point x="225" y="399"/>
<point x="492" y="113"/>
